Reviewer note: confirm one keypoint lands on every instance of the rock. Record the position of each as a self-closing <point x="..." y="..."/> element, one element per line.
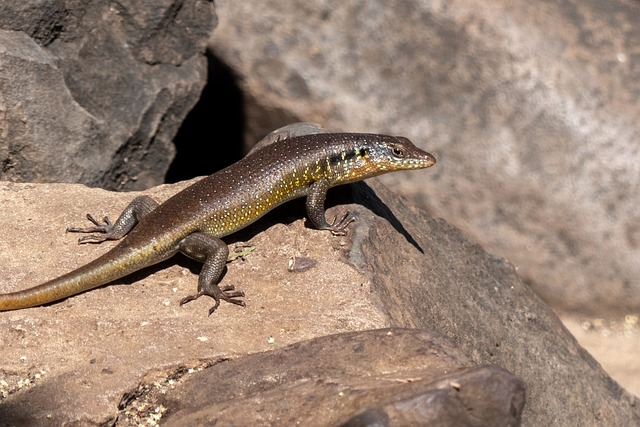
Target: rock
<point x="94" y="92"/>
<point x="89" y="355"/>
<point x="405" y="377"/>
<point x="480" y="302"/>
<point x="530" y="107"/>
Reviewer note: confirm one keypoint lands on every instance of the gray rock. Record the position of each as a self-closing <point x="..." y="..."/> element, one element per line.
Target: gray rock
<point x="481" y="303"/>
<point x="399" y="377"/>
<point x="530" y="107"/>
<point x="94" y="92"/>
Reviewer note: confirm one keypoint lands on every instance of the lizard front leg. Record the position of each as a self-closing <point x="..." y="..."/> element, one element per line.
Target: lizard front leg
<point x="213" y="252"/>
<point x="315" y="210"/>
<point x="132" y="214"/>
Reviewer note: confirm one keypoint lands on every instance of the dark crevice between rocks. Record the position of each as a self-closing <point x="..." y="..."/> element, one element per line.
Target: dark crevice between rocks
<point x="211" y="136"/>
<point x="141" y="403"/>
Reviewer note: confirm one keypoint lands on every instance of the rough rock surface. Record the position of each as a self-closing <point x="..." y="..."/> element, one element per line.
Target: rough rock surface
<point x="400" y="377"/>
<point x="530" y="107"/>
<point x="89" y="356"/>
<point x="94" y="92"/>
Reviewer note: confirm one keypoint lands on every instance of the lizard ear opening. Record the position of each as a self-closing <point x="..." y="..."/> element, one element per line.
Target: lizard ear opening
<point x="362" y="152"/>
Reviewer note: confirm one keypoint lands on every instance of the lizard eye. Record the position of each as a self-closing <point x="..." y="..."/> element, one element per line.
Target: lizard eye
<point x="397" y="151"/>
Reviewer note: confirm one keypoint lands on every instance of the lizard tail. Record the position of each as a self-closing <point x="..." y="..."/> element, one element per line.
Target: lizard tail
<point x="102" y="270"/>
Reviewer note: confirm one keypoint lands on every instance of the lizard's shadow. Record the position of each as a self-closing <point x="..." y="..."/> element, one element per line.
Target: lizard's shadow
<point x="362" y="194"/>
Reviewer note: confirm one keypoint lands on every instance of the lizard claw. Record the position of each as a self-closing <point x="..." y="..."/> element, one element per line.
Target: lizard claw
<point x="106" y="227"/>
<point x="339" y="228"/>
<point x="226" y="293"/>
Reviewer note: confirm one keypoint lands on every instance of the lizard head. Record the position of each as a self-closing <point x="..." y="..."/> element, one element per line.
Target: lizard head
<point x="392" y="153"/>
<point x="372" y="155"/>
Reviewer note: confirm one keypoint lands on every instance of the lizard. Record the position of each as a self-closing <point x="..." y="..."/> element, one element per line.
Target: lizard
<point x="297" y="160"/>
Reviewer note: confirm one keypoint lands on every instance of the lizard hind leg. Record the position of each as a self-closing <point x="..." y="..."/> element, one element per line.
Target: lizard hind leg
<point x="132" y="214"/>
<point x="213" y="252"/>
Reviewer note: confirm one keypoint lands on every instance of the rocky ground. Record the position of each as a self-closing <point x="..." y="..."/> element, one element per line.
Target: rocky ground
<point x="397" y="268"/>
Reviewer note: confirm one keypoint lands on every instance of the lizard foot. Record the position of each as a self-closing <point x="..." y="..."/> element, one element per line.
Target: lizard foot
<point x="106" y="228"/>
<point x="339" y="228"/>
<point x="226" y="293"/>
